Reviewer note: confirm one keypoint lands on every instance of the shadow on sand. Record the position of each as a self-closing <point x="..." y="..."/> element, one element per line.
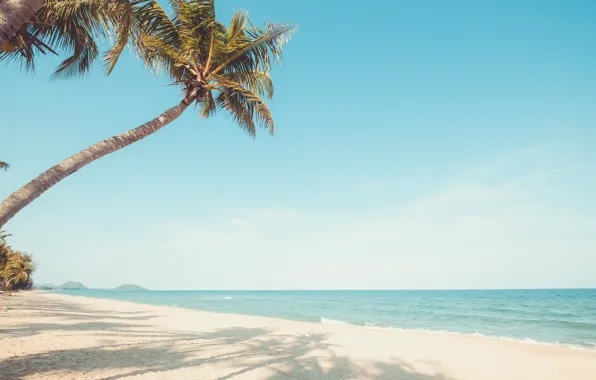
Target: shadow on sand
<point x="228" y="353"/>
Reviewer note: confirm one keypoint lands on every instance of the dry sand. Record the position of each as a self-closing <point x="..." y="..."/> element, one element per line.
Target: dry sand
<point x="51" y="336"/>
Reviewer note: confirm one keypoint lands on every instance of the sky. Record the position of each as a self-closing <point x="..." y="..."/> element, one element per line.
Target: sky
<point x="418" y="145"/>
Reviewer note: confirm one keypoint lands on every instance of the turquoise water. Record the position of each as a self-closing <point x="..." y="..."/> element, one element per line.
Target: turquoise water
<point x="555" y="316"/>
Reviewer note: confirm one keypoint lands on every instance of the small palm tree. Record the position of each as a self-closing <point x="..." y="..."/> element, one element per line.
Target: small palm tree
<point x="4" y="165"/>
<point x="215" y="67"/>
<point x="17" y="271"/>
<point x="5" y="251"/>
<point x="15" y="267"/>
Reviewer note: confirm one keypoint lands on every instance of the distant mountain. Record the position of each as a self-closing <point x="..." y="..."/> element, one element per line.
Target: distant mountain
<point x="129" y="288"/>
<point x="70" y="285"/>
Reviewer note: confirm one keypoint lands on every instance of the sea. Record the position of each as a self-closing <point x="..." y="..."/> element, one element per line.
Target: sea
<point x="557" y="316"/>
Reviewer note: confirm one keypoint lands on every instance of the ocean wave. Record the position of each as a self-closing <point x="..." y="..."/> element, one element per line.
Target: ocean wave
<point x="588" y="347"/>
<point x="327" y="321"/>
<point x="216" y="298"/>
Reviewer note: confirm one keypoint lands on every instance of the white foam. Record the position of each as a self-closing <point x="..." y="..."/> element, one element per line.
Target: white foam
<point x="326" y="321"/>
<point x="216" y="298"/>
<point x="372" y="326"/>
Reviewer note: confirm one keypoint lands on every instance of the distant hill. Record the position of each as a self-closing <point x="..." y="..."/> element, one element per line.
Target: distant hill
<point x="70" y="285"/>
<point x="129" y="288"/>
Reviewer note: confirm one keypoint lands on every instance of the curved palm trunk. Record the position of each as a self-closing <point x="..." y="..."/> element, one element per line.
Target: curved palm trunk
<point x="13" y="14"/>
<point x="26" y="194"/>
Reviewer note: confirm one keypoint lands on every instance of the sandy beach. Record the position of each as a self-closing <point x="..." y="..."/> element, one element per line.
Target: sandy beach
<point x="52" y="336"/>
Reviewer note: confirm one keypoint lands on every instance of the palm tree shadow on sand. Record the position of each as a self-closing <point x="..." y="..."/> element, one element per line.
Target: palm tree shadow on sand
<point x="123" y="350"/>
<point x="238" y="351"/>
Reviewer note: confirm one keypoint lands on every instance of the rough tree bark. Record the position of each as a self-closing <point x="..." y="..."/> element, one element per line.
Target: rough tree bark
<point x="15" y="13"/>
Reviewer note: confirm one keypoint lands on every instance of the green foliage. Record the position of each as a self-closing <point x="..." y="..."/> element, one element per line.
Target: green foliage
<point x="15" y="267"/>
<point x="71" y="27"/>
<point x="4" y="165"/>
<point x="217" y="66"/>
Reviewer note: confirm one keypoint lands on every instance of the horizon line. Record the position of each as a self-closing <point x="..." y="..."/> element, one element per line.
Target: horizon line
<point x="339" y="290"/>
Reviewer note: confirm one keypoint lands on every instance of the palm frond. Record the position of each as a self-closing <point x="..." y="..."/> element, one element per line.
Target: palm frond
<point x="226" y="67"/>
<point x="16" y="270"/>
<point x="71" y="27"/>
<point x="217" y="66"/>
<point x="246" y="107"/>
<point x="124" y="19"/>
<point x="208" y="104"/>
<point x="256" y="50"/>
<point x="157" y="43"/>
<point x="3" y="236"/>
<point x="84" y="54"/>
<point x="4" y="165"/>
<point x="195" y="21"/>
<point x="259" y="82"/>
<point x="74" y="27"/>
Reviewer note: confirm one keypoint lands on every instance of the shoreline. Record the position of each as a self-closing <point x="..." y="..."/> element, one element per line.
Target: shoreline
<point x="55" y="336"/>
<point x="526" y="340"/>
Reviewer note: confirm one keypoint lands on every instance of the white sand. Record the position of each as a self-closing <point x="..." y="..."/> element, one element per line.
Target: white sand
<point x="50" y="336"/>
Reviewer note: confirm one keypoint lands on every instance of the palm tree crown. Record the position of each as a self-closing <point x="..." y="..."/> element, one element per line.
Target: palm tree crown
<point x="192" y="46"/>
<point x="216" y="66"/>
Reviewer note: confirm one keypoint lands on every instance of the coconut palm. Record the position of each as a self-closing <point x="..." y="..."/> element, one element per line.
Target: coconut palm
<point x="4" y="165"/>
<point x="5" y="253"/>
<point x="15" y="267"/>
<point x="215" y="66"/>
<point x="5" y="250"/>
<point x="69" y="26"/>
<point x="16" y="272"/>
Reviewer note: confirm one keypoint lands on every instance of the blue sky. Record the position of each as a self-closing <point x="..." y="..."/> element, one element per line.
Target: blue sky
<point x="418" y="144"/>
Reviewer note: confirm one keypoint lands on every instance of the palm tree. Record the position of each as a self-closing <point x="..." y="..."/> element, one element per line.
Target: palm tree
<point x="216" y="67"/>
<point x="5" y="251"/>
<point x="70" y="26"/>
<point x="15" y="267"/>
<point x="4" y="165"/>
<point x="17" y="271"/>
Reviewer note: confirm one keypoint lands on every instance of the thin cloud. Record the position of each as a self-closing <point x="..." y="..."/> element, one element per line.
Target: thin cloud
<point x="239" y="222"/>
<point x="473" y="230"/>
<point x="284" y="215"/>
<point x="372" y="186"/>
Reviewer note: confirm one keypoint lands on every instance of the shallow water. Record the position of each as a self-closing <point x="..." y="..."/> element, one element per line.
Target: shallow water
<point x="565" y="316"/>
